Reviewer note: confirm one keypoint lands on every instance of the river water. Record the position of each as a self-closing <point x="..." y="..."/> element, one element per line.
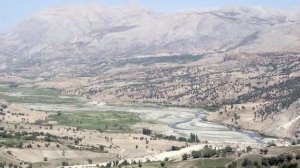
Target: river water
<point x="180" y="121"/>
<point x="184" y="121"/>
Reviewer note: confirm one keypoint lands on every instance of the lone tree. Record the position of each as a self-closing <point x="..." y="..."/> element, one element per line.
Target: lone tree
<point x="147" y="131"/>
<point x="184" y="156"/>
<point x="140" y="164"/>
<point x="64" y="163"/>
<point x="228" y="149"/>
<point x="108" y="164"/>
<point x="246" y="162"/>
<point x="248" y="149"/>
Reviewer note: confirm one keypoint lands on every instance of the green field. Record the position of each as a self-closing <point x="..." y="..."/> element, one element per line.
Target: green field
<point x="208" y="163"/>
<point x="195" y="163"/>
<point x="34" y="95"/>
<point x="179" y="59"/>
<point x="9" y="141"/>
<point x="105" y="120"/>
<point x="108" y="121"/>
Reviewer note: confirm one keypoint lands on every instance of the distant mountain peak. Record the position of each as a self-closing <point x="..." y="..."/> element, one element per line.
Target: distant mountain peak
<point x="105" y="32"/>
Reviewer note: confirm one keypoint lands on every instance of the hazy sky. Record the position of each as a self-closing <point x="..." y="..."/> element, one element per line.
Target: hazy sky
<point x="14" y="11"/>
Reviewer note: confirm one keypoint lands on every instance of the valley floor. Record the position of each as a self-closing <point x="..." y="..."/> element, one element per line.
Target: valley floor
<point x="41" y="128"/>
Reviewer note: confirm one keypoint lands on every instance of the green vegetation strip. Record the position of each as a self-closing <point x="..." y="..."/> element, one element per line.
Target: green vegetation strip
<point x="203" y="163"/>
<point x="34" y="95"/>
<point x="9" y="142"/>
<point x="179" y="59"/>
<point x="108" y="121"/>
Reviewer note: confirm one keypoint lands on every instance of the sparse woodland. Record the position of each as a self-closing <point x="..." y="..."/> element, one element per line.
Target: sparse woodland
<point x="263" y="84"/>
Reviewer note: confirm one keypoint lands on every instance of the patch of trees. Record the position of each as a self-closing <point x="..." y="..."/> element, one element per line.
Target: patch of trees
<point x="146" y="131"/>
<point x="168" y="137"/>
<point x="64" y="163"/>
<point x="280" y="96"/>
<point x="194" y="138"/>
<point x="208" y="152"/>
<point x="11" y="165"/>
<point x="175" y="148"/>
<point x="100" y="149"/>
<point x="185" y="156"/>
<point x="4" y="106"/>
<point x="119" y="164"/>
<point x="280" y="161"/>
<point x="182" y="139"/>
<point x="19" y="137"/>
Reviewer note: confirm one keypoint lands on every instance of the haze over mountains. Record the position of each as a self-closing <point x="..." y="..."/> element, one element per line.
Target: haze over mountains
<point x="241" y="62"/>
<point x="88" y="33"/>
<point x="93" y="85"/>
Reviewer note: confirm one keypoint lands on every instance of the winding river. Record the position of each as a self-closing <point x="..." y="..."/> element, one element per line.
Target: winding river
<point x="178" y="121"/>
<point x="184" y="121"/>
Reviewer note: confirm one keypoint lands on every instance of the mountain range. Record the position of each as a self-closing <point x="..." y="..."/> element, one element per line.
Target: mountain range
<point x="243" y="63"/>
<point x="73" y="35"/>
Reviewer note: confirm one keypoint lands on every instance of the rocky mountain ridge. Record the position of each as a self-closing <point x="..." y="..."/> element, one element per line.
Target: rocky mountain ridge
<point x="72" y="35"/>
